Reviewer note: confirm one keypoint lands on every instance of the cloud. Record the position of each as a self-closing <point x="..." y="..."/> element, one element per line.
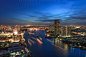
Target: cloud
<point x="78" y="18"/>
<point x="31" y="16"/>
<point x="25" y="13"/>
<point x="49" y="20"/>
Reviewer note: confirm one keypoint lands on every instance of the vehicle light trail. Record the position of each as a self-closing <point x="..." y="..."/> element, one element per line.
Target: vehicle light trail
<point x="34" y="38"/>
<point x="31" y="40"/>
<point x="49" y="40"/>
<point x="58" y="46"/>
<point x="39" y="41"/>
<point x="40" y="38"/>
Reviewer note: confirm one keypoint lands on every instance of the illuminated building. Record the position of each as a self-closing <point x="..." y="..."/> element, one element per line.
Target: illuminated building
<point x="51" y="27"/>
<point x="65" y="31"/>
<point x="17" y="28"/>
<point x="56" y="27"/>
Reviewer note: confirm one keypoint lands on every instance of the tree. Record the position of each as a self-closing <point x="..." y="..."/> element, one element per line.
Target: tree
<point x="55" y="37"/>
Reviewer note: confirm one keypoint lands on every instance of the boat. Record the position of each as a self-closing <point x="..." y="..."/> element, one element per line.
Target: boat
<point x="39" y="38"/>
<point x="74" y="46"/>
<point x="83" y="48"/>
<point x="49" y="37"/>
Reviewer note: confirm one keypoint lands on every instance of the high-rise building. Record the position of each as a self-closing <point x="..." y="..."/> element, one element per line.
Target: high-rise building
<point x="65" y="31"/>
<point x="51" y="27"/>
<point x="56" y="27"/>
<point x="17" y="28"/>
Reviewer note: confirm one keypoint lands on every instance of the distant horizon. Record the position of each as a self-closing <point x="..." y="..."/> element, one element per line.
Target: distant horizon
<point x="44" y="25"/>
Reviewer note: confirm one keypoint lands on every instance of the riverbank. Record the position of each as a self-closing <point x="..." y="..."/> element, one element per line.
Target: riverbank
<point x="72" y="44"/>
<point x="14" y="48"/>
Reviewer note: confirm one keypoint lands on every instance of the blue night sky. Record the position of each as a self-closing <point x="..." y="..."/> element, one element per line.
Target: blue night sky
<point x="42" y="12"/>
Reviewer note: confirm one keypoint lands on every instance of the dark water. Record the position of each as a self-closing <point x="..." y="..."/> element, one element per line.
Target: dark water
<point x="48" y="49"/>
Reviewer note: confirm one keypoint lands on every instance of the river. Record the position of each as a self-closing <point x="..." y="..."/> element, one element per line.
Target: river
<point x="48" y="49"/>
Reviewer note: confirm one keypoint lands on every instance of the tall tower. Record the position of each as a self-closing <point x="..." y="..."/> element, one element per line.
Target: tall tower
<point x="56" y="27"/>
<point x="65" y="31"/>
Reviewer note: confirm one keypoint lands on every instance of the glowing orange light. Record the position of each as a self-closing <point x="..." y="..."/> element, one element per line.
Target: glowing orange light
<point x="39" y="41"/>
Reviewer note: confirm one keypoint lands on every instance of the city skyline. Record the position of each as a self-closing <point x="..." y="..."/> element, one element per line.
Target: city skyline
<point x="42" y="12"/>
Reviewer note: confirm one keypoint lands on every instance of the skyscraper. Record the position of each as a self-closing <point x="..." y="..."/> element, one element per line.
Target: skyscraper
<point x="65" y="31"/>
<point x="56" y="27"/>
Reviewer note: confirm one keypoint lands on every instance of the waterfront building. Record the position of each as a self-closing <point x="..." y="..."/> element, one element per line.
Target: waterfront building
<point x="56" y="27"/>
<point x="65" y="30"/>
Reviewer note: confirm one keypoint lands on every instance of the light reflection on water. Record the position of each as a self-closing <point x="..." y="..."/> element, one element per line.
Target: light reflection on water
<point x="69" y="51"/>
<point x="48" y="49"/>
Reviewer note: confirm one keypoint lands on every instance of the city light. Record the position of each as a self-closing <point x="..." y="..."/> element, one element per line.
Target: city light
<point x="15" y="32"/>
